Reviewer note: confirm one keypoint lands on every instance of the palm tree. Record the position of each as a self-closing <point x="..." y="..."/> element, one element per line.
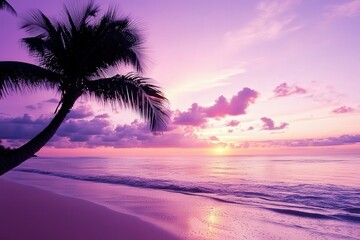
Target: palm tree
<point x="5" y="5"/>
<point x="74" y="58"/>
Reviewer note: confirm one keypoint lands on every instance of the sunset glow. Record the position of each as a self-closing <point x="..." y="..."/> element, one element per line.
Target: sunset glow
<point x="180" y="119"/>
<point x="257" y="80"/>
<point x="220" y="150"/>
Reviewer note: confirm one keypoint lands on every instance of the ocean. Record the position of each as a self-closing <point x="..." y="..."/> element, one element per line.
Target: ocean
<point x="317" y="193"/>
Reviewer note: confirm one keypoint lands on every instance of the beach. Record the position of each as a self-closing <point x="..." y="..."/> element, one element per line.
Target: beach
<point x="31" y="213"/>
<point x="147" y="198"/>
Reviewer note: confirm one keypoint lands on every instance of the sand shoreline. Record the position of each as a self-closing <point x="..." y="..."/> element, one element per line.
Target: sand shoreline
<point x="31" y="213"/>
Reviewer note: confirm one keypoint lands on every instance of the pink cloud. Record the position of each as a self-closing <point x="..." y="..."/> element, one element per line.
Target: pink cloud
<point x="83" y="130"/>
<point x="233" y="123"/>
<point x="105" y="115"/>
<point x="137" y="134"/>
<point x="52" y="100"/>
<point x="81" y="112"/>
<point x="219" y="109"/>
<point x="343" y="109"/>
<point x="95" y="131"/>
<point x="237" y="105"/>
<point x="214" y="138"/>
<point x="270" y="125"/>
<point x="195" y="116"/>
<point x="284" y="90"/>
<point x="309" y="142"/>
<point x="319" y="142"/>
<point x="244" y="145"/>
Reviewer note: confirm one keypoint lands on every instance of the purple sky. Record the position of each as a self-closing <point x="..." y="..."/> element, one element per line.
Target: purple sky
<point x="241" y="77"/>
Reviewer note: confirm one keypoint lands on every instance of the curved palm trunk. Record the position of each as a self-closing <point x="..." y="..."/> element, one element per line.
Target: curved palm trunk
<point x="13" y="158"/>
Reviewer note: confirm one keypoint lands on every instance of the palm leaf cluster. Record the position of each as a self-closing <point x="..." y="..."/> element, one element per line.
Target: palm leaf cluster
<point x="75" y="56"/>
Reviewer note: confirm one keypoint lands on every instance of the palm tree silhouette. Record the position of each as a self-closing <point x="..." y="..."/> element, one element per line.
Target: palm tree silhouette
<point x="74" y="57"/>
<point x="5" y="5"/>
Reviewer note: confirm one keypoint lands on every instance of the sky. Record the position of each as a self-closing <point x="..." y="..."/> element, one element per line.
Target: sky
<point x="242" y="77"/>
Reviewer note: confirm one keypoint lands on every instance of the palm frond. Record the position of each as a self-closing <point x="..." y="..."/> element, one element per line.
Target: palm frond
<point x="137" y="93"/>
<point x="118" y="42"/>
<point x="38" y="24"/>
<point x="79" y="18"/>
<point x="83" y="46"/>
<point x="5" y="5"/>
<point x="98" y="46"/>
<point x="16" y="76"/>
<point x="47" y="44"/>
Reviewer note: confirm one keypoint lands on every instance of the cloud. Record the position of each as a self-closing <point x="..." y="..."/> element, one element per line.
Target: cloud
<point x="284" y="90"/>
<point x="343" y="109"/>
<point x="21" y="127"/>
<point x="98" y="131"/>
<point x="214" y="138"/>
<point x="138" y="135"/>
<point x="36" y="106"/>
<point x="320" y="142"/>
<point x="95" y="132"/>
<point x="274" y="19"/>
<point x="244" y="145"/>
<point x="31" y="107"/>
<point x="42" y="104"/>
<point x="52" y="100"/>
<point x="105" y="115"/>
<point x="268" y="124"/>
<point x="81" y="112"/>
<point x="233" y="123"/>
<point x="194" y="116"/>
<point x="237" y="105"/>
<point x="346" y="9"/>
<point x="82" y="130"/>
<point x="309" y="142"/>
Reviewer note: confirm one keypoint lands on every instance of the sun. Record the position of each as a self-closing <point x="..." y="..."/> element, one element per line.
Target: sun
<point x="219" y="150"/>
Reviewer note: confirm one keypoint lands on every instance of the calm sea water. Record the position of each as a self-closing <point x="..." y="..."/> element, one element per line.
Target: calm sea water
<point x="321" y="188"/>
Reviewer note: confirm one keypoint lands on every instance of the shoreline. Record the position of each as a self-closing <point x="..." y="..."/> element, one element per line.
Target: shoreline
<point x="31" y="213"/>
<point x="184" y="216"/>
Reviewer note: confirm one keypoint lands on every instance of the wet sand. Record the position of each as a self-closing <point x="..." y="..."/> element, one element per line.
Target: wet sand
<point x="31" y="213"/>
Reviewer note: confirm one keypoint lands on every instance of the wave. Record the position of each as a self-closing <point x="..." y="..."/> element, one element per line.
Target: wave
<point x="302" y="200"/>
<point x="301" y="213"/>
<point x="313" y="215"/>
<point x="125" y="180"/>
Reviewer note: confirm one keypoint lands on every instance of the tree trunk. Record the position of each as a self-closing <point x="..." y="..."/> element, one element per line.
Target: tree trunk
<point x="10" y="159"/>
